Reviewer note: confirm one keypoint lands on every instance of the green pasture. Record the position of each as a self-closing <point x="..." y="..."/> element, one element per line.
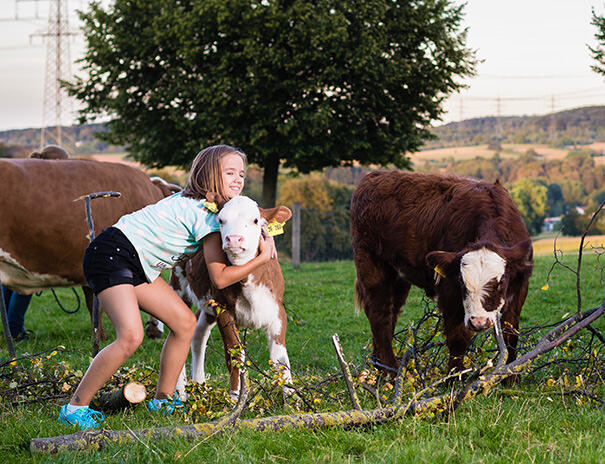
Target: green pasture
<point x="536" y="420"/>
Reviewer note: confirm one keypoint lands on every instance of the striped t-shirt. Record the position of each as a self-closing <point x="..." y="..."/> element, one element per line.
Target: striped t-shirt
<point x="167" y="231"/>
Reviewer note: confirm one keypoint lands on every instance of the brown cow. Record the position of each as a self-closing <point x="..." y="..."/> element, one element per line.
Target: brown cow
<point x="43" y="231"/>
<point x="255" y="302"/>
<point x="459" y="239"/>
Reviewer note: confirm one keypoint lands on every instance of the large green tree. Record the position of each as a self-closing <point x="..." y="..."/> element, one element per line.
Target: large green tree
<point x="307" y="83"/>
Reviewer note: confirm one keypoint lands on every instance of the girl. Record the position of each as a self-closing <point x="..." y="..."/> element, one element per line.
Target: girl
<point x="123" y="264"/>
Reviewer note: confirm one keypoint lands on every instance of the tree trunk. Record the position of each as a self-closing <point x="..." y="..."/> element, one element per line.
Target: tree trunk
<point x="271" y="170"/>
<point x="119" y="398"/>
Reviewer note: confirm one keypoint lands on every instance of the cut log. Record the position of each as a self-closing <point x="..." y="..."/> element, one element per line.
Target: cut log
<point x="120" y="398"/>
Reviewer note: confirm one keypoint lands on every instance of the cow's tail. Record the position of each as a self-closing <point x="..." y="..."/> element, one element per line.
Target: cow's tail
<point x="359" y="297"/>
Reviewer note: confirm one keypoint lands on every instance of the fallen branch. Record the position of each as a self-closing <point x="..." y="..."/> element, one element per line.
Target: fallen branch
<point x="346" y="372"/>
<point x="97" y="439"/>
<point x="551" y="340"/>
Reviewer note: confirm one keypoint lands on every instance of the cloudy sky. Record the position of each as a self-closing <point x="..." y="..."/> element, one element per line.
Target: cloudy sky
<point x="535" y="58"/>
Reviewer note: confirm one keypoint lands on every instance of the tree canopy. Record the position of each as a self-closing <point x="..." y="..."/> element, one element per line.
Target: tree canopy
<point x="598" y="52"/>
<point x="307" y="83"/>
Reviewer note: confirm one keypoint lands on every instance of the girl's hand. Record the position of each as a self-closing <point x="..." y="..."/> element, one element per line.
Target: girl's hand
<point x="267" y="248"/>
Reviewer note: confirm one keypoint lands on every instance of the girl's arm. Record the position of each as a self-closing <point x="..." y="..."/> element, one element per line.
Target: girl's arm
<point x="223" y="274"/>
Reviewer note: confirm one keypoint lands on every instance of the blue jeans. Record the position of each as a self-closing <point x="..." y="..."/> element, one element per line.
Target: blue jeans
<point x="16" y="305"/>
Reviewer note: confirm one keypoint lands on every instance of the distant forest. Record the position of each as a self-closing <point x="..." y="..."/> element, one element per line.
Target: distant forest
<point x="80" y="140"/>
<point x="572" y="127"/>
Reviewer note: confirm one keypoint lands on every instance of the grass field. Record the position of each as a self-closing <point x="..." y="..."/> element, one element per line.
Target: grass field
<point x="569" y="245"/>
<point x="482" y="151"/>
<point x="530" y="422"/>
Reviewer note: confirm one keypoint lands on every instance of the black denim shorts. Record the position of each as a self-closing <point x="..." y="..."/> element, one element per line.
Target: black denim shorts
<point x="110" y="260"/>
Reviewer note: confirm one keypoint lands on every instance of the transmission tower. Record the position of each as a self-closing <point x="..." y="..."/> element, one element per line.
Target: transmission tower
<point x="57" y="106"/>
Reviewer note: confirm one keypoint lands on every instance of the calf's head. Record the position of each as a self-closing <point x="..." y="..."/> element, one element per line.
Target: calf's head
<point x="483" y="273"/>
<point x="242" y="222"/>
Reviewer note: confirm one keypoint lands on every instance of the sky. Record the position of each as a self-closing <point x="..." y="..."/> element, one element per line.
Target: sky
<point x="534" y="53"/>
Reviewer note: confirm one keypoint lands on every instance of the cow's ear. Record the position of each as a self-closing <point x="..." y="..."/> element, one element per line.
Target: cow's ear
<point x="279" y="214"/>
<point x="441" y="262"/>
<point x="521" y="254"/>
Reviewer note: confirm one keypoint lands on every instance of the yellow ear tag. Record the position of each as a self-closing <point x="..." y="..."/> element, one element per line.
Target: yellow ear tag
<point x="439" y="271"/>
<point x="275" y="228"/>
<point x="210" y="206"/>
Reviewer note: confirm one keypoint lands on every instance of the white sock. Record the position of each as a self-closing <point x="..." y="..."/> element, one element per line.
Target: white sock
<point x="71" y="408"/>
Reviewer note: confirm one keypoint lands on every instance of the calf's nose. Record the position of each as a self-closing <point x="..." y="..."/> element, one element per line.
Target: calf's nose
<point x="234" y="240"/>
<point x="480" y="323"/>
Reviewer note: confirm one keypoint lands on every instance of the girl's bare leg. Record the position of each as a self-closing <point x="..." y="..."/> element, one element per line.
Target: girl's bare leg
<point x="120" y="305"/>
<point x="159" y="300"/>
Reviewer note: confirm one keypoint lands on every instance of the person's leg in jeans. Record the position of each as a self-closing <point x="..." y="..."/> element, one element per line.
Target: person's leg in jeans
<point x="16" y="306"/>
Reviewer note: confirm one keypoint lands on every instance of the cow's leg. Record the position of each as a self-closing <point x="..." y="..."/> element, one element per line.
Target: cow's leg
<point x="154" y="328"/>
<point x="276" y="341"/>
<point x="181" y="383"/>
<point x="205" y="323"/>
<point x="230" y="335"/>
<point x="457" y="336"/>
<point x="510" y="318"/>
<point x="510" y="326"/>
<point x="382" y="293"/>
<point x="88" y="296"/>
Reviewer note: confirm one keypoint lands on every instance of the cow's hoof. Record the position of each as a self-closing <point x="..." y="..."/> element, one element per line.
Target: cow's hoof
<point x="152" y="329"/>
<point x="288" y="392"/>
<point x="234" y="396"/>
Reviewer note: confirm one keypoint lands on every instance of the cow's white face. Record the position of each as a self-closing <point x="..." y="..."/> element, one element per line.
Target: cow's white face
<point x="240" y="223"/>
<point x="482" y="273"/>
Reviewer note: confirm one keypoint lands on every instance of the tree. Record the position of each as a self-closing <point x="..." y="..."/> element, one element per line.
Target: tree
<point x="324" y="217"/>
<point x="311" y="83"/>
<point x="598" y="52"/>
<point x="554" y="200"/>
<point x="530" y="198"/>
<point x="570" y="223"/>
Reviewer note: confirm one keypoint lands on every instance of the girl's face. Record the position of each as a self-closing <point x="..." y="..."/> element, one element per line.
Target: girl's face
<point x="232" y="174"/>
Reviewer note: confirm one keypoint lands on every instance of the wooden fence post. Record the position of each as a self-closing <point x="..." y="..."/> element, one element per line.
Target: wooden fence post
<point x="296" y="235"/>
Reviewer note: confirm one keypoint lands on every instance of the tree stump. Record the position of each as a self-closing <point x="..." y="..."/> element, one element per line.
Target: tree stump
<point x="120" y="398"/>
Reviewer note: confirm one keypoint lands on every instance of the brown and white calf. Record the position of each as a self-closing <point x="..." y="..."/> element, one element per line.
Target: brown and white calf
<point x="458" y="239"/>
<point x="255" y="302"/>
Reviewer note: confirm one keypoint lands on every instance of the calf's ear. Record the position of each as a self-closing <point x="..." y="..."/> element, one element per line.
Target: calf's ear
<point x="441" y="262"/>
<point x="279" y="214"/>
<point x="521" y="253"/>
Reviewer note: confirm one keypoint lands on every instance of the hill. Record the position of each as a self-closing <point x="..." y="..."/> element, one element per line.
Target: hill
<point x="579" y="126"/>
<point x="80" y="139"/>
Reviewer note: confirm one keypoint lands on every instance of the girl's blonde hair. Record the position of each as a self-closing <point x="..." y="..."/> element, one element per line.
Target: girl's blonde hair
<point x="205" y="175"/>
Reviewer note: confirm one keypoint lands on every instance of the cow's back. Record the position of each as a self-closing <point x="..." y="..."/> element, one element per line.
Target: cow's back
<point x="43" y="231"/>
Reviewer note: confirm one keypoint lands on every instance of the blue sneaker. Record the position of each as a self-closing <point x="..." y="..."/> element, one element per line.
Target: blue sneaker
<point x="85" y="418"/>
<point x="167" y="406"/>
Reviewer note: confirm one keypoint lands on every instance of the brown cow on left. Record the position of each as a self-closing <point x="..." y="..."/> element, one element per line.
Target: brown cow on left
<point x="43" y="231"/>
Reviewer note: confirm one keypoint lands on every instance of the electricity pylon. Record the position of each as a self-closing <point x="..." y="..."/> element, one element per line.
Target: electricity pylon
<point x="57" y="106"/>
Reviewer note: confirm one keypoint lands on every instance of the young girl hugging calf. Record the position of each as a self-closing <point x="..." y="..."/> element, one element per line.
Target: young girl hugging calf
<point x="123" y="265"/>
